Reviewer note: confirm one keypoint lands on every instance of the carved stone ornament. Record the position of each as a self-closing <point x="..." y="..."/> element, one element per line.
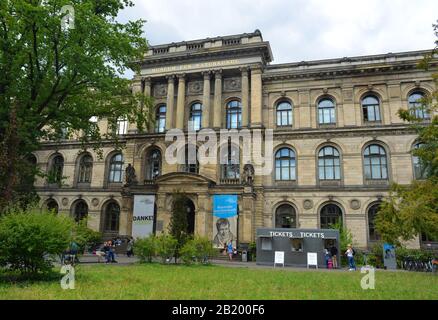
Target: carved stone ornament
<point x="195" y="87"/>
<point x="355" y="204"/>
<point x="160" y="90"/>
<point x="95" y="202"/>
<point x="64" y="201"/>
<point x="308" y="204"/>
<point x="232" y="84"/>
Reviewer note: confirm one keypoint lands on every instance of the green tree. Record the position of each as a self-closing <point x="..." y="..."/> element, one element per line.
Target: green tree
<point x="178" y="222"/>
<point x="55" y="78"/>
<point x="412" y="210"/>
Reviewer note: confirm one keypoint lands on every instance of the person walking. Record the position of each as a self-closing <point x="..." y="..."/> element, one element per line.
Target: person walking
<point x="130" y="247"/>
<point x="334" y="253"/>
<point x="350" y="255"/>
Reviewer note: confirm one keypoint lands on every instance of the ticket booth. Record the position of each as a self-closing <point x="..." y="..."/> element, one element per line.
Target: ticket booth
<point x="296" y="244"/>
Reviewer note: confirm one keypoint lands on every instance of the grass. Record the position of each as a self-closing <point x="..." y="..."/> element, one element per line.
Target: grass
<point x="159" y="282"/>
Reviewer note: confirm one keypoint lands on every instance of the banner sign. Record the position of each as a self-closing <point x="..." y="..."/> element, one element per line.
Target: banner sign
<point x="389" y="260"/>
<point x="143" y="217"/>
<point x="224" y="220"/>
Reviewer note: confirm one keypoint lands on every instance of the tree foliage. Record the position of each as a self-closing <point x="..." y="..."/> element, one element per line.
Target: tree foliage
<point x="55" y="78"/>
<point x="413" y="210"/>
<point x="178" y="222"/>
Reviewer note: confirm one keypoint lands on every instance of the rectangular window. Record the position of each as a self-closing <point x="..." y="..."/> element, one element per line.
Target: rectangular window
<point x="267" y="244"/>
<point x="297" y="245"/>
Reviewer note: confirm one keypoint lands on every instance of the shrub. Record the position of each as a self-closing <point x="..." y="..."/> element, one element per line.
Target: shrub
<point x="375" y="257"/>
<point x="146" y="248"/>
<point x="166" y="246"/>
<point x="197" y="250"/>
<point x="26" y="239"/>
<point x="86" y="237"/>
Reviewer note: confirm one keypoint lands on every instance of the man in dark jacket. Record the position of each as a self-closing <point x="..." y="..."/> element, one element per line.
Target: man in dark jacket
<point x="334" y="253"/>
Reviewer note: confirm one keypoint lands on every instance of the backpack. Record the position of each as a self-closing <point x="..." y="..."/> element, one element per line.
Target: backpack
<point x="354" y="252"/>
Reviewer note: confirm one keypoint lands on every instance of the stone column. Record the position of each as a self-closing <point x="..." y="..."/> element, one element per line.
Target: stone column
<point x="170" y="101"/>
<point x="217" y="119"/>
<point x="147" y="86"/>
<point x="136" y="88"/>
<point x="180" y="101"/>
<point x="206" y="101"/>
<point x="245" y="97"/>
<point x="256" y="97"/>
<point x="125" y="220"/>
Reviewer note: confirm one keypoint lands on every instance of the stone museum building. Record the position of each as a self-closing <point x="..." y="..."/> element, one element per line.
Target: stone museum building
<point x="338" y="141"/>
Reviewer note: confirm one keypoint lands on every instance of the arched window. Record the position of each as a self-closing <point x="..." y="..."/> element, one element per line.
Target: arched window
<point x="191" y="164"/>
<point x="285" y="164"/>
<point x="85" y="169"/>
<point x="371" y="109"/>
<point x="326" y="112"/>
<point x="52" y="206"/>
<point x="372" y="212"/>
<point x="122" y="125"/>
<point x="329" y="164"/>
<point x="195" y="117"/>
<point x="419" y="171"/>
<point x="284" y="114"/>
<point x="116" y="168"/>
<point x="376" y="165"/>
<point x="153" y="164"/>
<point x="330" y="215"/>
<point x="416" y="106"/>
<point x="112" y="217"/>
<point x="160" y="119"/>
<point x="230" y="161"/>
<point x="56" y="169"/>
<point x="285" y="217"/>
<point x="234" y="114"/>
<point x="80" y="210"/>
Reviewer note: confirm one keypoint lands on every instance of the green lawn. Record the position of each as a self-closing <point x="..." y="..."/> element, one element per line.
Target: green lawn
<point x="217" y="282"/>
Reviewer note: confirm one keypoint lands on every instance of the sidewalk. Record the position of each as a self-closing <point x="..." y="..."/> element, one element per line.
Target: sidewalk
<point x="125" y="260"/>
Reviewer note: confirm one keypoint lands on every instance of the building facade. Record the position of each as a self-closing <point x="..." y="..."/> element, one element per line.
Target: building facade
<point x="338" y="141"/>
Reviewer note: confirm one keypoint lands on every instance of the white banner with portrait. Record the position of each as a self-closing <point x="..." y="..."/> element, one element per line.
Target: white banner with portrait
<point x="143" y="216"/>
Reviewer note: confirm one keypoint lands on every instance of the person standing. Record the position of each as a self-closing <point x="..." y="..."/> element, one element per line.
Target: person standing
<point x="334" y="253"/>
<point x="130" y="247"/>
<point x="230" y="250"/>
<point x="327" y="257"/>
<point x="350" y="256"/>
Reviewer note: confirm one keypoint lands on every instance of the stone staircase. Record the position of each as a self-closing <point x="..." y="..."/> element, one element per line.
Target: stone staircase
<point x="220" y="256"/>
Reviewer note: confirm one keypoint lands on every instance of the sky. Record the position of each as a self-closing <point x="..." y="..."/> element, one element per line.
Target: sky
<point x="296" y="29"/>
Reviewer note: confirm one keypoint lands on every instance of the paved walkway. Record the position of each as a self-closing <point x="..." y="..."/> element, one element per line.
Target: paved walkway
<point x="125" y="260"/>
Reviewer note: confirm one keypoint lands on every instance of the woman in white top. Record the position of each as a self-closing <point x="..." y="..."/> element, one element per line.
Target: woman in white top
<point x="350" y="256"/>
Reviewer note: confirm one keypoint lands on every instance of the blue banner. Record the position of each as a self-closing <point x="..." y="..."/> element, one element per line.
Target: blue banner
<point x="225" y="206"/>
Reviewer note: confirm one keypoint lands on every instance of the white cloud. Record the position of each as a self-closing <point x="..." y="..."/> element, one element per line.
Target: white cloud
<point x="297" y="29"/>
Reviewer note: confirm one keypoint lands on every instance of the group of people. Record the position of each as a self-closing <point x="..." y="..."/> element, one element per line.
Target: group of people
<point x="331" y="257"/>
<point x="108" y="250"/>
<point x="331" y="260"/>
